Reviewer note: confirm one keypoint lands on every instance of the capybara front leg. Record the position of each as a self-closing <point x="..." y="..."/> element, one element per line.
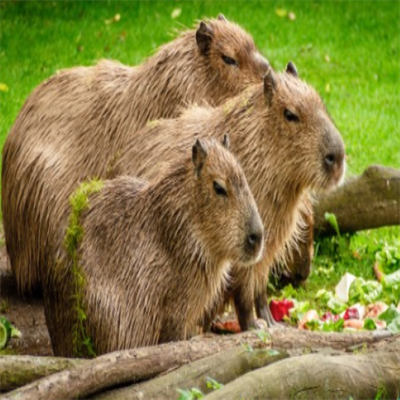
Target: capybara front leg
<point x="263" y="311"/>
<point x="244" y="308"/>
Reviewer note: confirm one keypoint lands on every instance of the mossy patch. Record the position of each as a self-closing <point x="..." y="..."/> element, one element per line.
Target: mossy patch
<point x="79" y="202"/>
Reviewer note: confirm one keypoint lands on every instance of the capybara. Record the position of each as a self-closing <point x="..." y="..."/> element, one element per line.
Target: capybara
<point x="154" y="254"/>
<point x="74" y="122"/>
<point x="286" y="143"/>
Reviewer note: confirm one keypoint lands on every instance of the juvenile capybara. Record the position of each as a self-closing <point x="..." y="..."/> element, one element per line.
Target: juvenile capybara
<point x="153" y="255"/>
<point x="286" y="143"/>
<point x="76" y="121"/>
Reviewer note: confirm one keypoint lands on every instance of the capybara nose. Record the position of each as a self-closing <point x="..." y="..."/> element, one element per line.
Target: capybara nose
<point x="334" y="156"/>
<point x="334" y="160"/>
<point x="335" y="164"/>
<point x="330" y="160"/>
<point x="254" y="241"/>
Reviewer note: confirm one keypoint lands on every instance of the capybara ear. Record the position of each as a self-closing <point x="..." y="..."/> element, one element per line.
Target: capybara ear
<point x="221" y="17"/>
<point x="204" y="36"/>
<point x="291" y="69"/>
<point x="199" y="155"/>
<point x="269" y="85"/>
<point x="225" y="141"/>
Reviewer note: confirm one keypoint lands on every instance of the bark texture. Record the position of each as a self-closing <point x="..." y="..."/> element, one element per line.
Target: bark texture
<point x="128" y="366"/>
<point x="223" y="367"/>
<point x="315" y="376"/>
<point x="92" y="376"/>
<point x="369" y="201"/>
<point x="17" y="371"/>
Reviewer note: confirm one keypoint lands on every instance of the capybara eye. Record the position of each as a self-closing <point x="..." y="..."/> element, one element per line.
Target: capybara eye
<point x="219" y="190"/>
<point x="290" y="116"/>
<point x="229" y="60"/>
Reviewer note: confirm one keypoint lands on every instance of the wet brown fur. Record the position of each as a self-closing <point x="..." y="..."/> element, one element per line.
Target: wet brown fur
<point x="154" y="255"/>
<point x="298" y="262"/>
<point x="74" y="123"/>
<point x="282" y="160"/>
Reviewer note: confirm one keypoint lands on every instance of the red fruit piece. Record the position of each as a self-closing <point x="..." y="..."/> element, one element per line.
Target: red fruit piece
<point x="328" y="316"/>
<point x="280" y="308"/>
<point x="351" y="313"/>
<point x="230" y="326"/>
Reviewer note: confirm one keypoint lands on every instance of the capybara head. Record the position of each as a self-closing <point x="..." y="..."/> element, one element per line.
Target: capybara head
<point x="307" y="137"/>
<point x="230" y="54"/>
<point x="225" y="214"/>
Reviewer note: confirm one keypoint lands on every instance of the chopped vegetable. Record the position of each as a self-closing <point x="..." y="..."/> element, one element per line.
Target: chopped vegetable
<point x="3" y="336"/>
<point x="392" y="318"/>
<point x="333" y="326"/>
<point x="310" y="315"/>
<point x="230" y="326"/>
<point x="328" y="316"/>
<point x="7" y="331"/>
<point x="280" y="308"/>
<point x="369" y="324"/>
<point x="351" y="313"/>
<point x="388" y="258"/>
<point x="336" y="305"/>
<point x="353" y="323"/>
<point x="374" y="310"/>
<point x="342" y="288"/>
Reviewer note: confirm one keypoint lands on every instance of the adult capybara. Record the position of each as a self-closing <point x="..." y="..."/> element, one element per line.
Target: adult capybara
<point x="74" y="122"/>
<point x="286" y="143"/>
<point x="153" y="255"/>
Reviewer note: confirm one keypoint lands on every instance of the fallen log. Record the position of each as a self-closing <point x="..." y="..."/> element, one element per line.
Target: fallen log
<point x="129" y="366"/>
<point x="291" y="338"/>
<point x="315" y="376"/>
<point x="147" y="362"/>
<point x="17" y="371"/>
<point x="223" y="367"/>
<point x="371" y="200"/>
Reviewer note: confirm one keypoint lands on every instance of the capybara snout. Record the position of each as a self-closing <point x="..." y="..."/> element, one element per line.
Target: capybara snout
<point x="254" y="239"/>
<point x="333" y="157"/>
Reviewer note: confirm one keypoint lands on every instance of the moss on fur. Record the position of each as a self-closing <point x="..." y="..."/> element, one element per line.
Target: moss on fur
<point x="79" y="202"/>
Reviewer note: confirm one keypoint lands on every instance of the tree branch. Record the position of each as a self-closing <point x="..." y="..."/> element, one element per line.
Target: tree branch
<point x="371" y="200"/>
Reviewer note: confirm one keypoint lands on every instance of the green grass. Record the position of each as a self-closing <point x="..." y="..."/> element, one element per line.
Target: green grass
<point x="360" y="38"/>
<point x="348" y="50"/>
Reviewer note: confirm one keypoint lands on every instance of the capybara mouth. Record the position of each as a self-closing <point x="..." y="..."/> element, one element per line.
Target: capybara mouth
<point x="336" y="176"/>
<point x="285" y="280"/>
<point x="252" y="255"/>
<point x="334" y="167"/>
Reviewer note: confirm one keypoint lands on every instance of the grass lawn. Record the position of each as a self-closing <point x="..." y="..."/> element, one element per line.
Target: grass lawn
<point x="348" y="50"/>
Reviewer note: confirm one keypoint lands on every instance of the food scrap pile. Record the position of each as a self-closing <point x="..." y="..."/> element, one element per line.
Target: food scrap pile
<point x="356" y="304"/>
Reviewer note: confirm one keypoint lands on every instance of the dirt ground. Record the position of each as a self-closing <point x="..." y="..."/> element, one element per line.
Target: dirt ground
<point x="26" y="314"/>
